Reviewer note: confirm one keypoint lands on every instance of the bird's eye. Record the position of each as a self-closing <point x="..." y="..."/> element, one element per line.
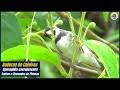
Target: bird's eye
<point x="46" y="30"/>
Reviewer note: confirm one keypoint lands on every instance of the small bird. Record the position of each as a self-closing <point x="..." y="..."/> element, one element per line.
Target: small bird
<point x="63" y="42"/>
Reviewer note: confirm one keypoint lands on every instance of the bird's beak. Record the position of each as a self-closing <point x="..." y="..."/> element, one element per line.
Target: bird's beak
<point x="49" y="33"/>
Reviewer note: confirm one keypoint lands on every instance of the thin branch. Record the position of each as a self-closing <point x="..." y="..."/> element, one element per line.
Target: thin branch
<point x="67" y="64"/>
<point x="89" y="33"/>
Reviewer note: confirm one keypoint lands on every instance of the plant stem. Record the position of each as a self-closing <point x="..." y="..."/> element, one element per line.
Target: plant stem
<point x="71" y="27"/>
<point x="77" y="45"/>
<point x="43" y="42"/>
<point x="89" y="25"/>
<point x="60" y="68"/>
<point x="80" y="68"/>
<point x="35" y="34"/>
<point x="17" y="13"/>
<point x="62" y="71"/>
<point x="73" y="61"/>
<point x="40" y="32"/>
<point x="51" y="25"/>
<point x="28" y="38"/>
<point x="80" y="28"/>
<point x="58" y="22"/>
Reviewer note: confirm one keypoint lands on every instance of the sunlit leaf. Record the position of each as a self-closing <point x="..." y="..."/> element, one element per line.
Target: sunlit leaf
<point x="35" y="52"/>
<point x="106" y="55"/>
<point x="102" y="74"/>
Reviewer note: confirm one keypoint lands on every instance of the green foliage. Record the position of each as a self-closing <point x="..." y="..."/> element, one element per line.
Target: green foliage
<point x="10" y="31"/>
<point x="32" y="36"/>
<point x="15" y="24"/>
<point x="41" y="18"/>
<point x="66" y="25"/>
<point x="24" y="22"/>
<point x="25" y="19"/>
<point x="24" y="15"/>
<point x="106" y="56"/>
<point x="35" y="52"/>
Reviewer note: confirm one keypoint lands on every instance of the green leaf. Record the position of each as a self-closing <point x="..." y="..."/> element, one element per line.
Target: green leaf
<point x="102" y="74"/>
<point x="106" y="55"/>
<point x="35" y="52"/>
<point x="25" y="15"/>
<point x="11" y="34"/>
<point x="24" y="22"/>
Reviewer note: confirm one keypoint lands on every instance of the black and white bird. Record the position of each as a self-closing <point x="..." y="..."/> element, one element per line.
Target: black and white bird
<point x="63" y="42"/>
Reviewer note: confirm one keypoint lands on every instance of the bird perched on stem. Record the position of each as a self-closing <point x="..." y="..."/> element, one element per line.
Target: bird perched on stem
<point x="63" y="42"/>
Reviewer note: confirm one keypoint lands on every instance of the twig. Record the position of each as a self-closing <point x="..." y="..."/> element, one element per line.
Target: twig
<point x="89" y="33"/>
<point x="67" y="64"/>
